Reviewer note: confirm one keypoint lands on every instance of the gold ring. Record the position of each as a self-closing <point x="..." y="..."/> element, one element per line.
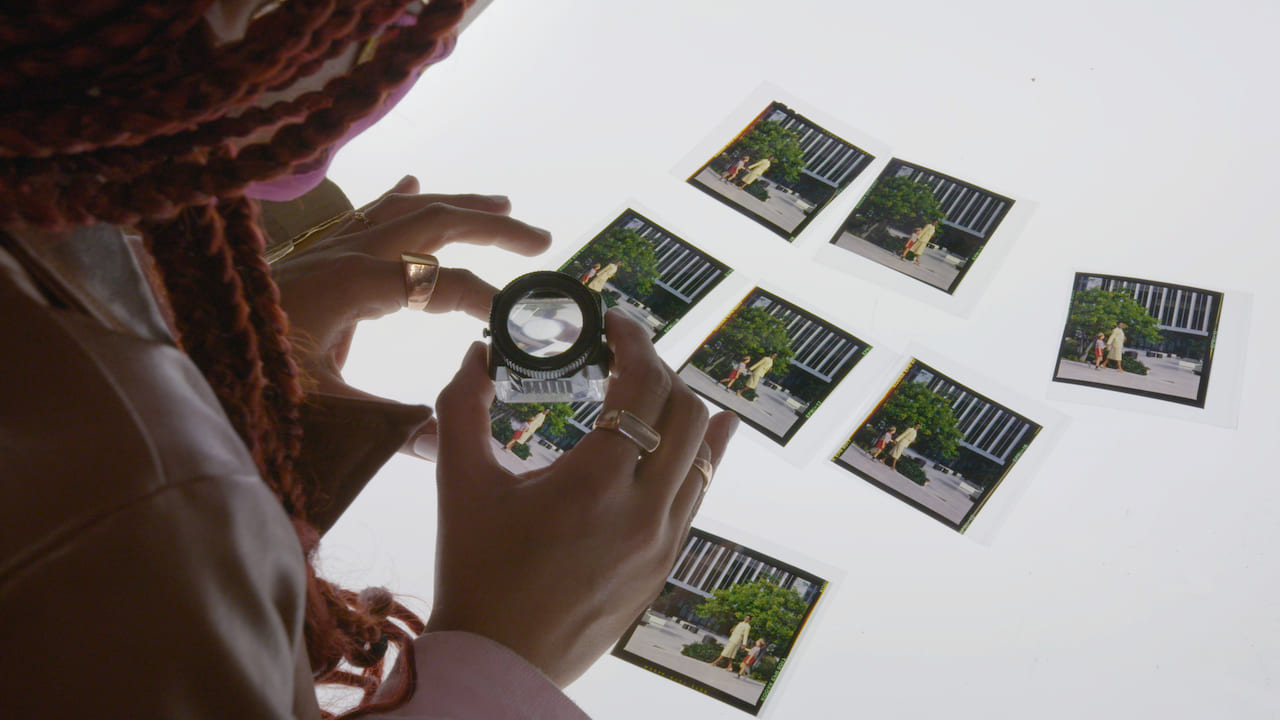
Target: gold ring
<point x="420" y="274"/>
<point x="630" y="427"/>
<point x="705" y="467"/>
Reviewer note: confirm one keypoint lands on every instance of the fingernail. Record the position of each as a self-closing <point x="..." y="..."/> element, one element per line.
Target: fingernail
<point x="499" y="198"/>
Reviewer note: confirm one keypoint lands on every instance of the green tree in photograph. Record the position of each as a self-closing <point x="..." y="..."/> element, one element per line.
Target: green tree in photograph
<point x="913" y="403"/>
<point x="750" y="332"/>
<point x="639" y="264"/>
<point x="775" y="611"/>
<point x="1096" y="311"/>
<point x="557" y="420"/>
<point x="779" y="144"/>
<point x="899" y="202"/>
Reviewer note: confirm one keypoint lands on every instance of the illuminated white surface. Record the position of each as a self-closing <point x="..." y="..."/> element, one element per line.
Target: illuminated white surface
<point x="1138" y="575"/>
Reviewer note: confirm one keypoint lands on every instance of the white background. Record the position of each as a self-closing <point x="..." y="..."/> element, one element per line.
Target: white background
<point x="1136" y="575"/>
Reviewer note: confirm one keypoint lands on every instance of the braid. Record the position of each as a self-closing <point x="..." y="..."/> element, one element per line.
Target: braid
<point x="122" y="111"/>
<point x="214" y="327"/>
<point x="144" y="185"/>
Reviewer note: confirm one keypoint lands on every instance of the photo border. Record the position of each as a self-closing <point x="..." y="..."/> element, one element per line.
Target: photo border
<point x="1202" y="392"/>
<point x="964" y="523"/>
<point x="872" y="156"/>
<point x="824" y="585"/>
<point x="784" y="439"/>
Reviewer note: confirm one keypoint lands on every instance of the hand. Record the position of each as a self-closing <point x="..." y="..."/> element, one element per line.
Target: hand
<point x="355" y="273"/>
<point x="556" y="563"/>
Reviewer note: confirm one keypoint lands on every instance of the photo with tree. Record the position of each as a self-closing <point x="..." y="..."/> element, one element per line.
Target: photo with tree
<point x="781" y="170"/>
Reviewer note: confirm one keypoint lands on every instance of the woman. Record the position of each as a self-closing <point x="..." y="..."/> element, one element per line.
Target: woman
<point x="166" y="476"/>
<point x="754" y="171"/>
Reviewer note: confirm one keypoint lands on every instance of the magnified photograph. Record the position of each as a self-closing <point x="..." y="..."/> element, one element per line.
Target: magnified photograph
<point x="772" y="363"/>
<point x="725" y="622"/>
<point x="937" y="445"/>
<point x="527" y="436"/>
<point x="654" y="276"/>
<point x="781" y="170"/>
<point x="1140" y="337"/>
<point x="924" y="224"/>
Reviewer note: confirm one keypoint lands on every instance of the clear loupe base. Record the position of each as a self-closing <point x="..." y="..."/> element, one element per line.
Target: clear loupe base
<point x="586" y="385"/>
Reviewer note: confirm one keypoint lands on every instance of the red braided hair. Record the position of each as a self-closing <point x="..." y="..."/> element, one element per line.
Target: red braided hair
<point x="122" y="112"/>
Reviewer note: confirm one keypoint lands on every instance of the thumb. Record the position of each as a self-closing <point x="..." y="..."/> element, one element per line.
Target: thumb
<point x="462" y="411"/>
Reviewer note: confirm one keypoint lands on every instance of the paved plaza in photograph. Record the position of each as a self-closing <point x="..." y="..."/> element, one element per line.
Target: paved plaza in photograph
<point x="661" y="644"/>
<point x="770" y="409"/>
<point x="942" y="494"/>
<point x="1165" y="376"/>
<point x="778" y="209"/>
<point x="539" y="456"/>
<point x="933" y="268"/>
<point x="651" y="322"/>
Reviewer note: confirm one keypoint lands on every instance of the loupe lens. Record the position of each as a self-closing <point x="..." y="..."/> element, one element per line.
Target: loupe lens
<point x="544" y="323"/>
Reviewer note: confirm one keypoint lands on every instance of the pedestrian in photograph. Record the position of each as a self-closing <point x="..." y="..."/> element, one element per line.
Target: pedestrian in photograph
<point x="903" y="442"/>
<point x="1099" y="351"/>
<point x="757" y="372"/>
<point x="603" y="275"/>
<point x="734" y="169"/>
<point x="883" y="441"/>
<point x="589" y="273"/>
<point x="1115" y="346"/>
<point x="919" y="241"/>
<point x="753" y="657"/>
<point x="737" y="638"/>
<point x="527" y="428"/>
<point x="737" y="372"/>
<point x="754" y="171"/>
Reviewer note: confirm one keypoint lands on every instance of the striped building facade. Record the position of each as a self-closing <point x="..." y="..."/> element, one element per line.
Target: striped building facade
<point x="682" y="271"/>
<point x="706" y="565"/>
<point x="986" y="428"/>
<point x="816" y="348"/>
<point x="1175" y="309"/>
<point x="966" y="207"/>
<point x="828" y="159"/>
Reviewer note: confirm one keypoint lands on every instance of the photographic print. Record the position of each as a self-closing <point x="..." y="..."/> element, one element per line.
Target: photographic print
<point x="651" y="274"/>
<point x="772" y="363"/>
<point x="781" y="170"/>
<point x="937" y="445"/>
<point x="725" y="622"/>
<point x="1140" y="337"/>
<point x="922" y="223"/>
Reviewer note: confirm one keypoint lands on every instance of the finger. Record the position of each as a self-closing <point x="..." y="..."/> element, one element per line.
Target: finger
<point x="395" y="204"/>
<point x="640" y="384"/>
<point x="370" y="288"/>
<point x="439" y="224"/>
<point x="426" y="443"/>
<point x="407" y="185"/>
<point x="462" y="416"/>
<point x="458" y="289"/>
<point x="682" y="426"/>
<point x="720" y="430"/>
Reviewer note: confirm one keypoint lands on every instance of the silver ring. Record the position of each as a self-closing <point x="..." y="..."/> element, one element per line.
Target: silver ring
<point x="420" y="275"/>
<point x="630" y="427"/>
<point x="705" y="467"/>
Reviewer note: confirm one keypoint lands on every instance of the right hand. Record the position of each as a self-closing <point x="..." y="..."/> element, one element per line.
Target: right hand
<point x="558" y="562"/>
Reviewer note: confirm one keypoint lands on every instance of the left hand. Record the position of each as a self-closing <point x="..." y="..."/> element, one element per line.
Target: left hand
<point x="355" y="273"/>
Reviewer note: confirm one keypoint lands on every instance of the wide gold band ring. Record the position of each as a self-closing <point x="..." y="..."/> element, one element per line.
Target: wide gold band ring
<point x="630" y="427"/>
<point x="420" y="275"/>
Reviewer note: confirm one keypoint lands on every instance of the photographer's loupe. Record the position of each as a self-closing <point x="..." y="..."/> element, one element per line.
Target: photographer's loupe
<point x="547" y="341"/>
